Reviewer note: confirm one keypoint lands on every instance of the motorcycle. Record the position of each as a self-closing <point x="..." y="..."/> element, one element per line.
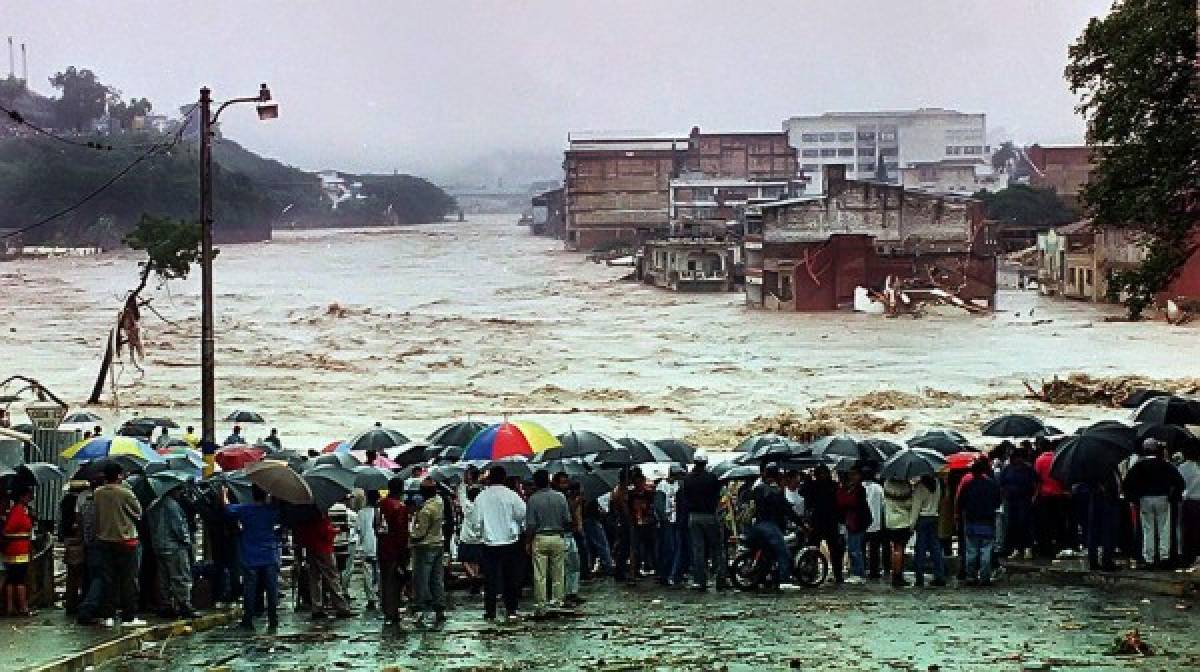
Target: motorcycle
<point x="754" y="565"/>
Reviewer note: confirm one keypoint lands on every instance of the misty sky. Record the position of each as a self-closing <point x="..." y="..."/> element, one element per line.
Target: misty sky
<point x="377" y="85"/>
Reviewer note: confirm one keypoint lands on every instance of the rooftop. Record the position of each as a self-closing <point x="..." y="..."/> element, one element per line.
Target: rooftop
<point x="923" y="111"/>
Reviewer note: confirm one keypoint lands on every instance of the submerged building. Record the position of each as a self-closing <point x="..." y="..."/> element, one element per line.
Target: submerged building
<point x="811" y="252"/>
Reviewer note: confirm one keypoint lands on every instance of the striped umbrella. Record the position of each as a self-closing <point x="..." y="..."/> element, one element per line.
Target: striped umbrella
<point x="105" y="446"/>
<point x="510" y="439"/>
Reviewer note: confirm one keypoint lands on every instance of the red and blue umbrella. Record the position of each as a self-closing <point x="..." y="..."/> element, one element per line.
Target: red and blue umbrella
<point x="510" y="439"/>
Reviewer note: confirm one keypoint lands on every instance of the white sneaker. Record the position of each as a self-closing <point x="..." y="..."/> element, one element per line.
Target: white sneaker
<point x="135" y="623"/>
<point x="110" y="622"/>
<point x="855" y="580"/>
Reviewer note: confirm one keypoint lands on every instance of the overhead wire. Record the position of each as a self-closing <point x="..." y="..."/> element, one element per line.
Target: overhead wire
<point x="153" y="149"/>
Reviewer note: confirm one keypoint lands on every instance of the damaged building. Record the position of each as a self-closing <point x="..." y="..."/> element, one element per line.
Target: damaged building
<point x="810" y="253"/>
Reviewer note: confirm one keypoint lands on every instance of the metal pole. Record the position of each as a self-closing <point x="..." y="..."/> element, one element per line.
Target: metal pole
<point x="208" y="433"/>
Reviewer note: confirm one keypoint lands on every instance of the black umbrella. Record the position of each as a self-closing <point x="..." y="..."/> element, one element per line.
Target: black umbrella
<point x="779" y="450"/>
<point x="938" y="444"/>
<point x="878" y="449"/>
<point x="296" y="461"/>
<point x="447" y="454"/>
<point x="329" y="485"/>
<point x="639" y="451"/>
<point x="1115" y="431"/>
<point x="150" y="487"/>
<point x="372" y="478"/>
<point x="1175" y="437"/>
<point x="1049" y="432"/>
<point x="94" y="469"/>
<point x="596" y="484"/>
<point x="414" y="455"/>
<point x="909" y="463"/>
<point x="79" y="417"/>
<point x="341" y="460"/>
<point x="570" y="467"/>
<point x="1016" y="425"/>
<point x="519" y="468"/>
<point x="152" y="422"/>
<point x="244" y="417"/>
<point x="186" y="462"/>
<point x="378" y="439"/>
<point x="838" y="445"/>
<point x="456" y="433"/>
<point x="240" y="487"/>
<point x="741" y="472"/>
<point x="445" y="474"/>
<point x="1089" y="458"/>
<point x="578" y="443"/>
<point x="1141" y="396"/>
<point x="1169" y="411"/>
<point x="677" y="449"/>
<point x="756" y="442"/>
<point x="38" y="473"/>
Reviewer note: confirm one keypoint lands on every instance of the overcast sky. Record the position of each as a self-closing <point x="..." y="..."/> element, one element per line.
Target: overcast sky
<point x="421" y="86"/>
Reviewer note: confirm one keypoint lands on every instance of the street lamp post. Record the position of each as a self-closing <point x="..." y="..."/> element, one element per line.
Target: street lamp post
<point x="208" y="424"/>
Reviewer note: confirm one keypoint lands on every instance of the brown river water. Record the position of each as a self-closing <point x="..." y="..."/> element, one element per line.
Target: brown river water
<point x="481" y="319"/>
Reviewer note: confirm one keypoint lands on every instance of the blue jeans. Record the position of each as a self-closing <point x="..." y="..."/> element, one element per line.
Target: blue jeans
<point x="93" y="595"/>
<point x="668" y="547"/>
<point x="597" y="542"/>
<point x="268" y="576"/>
<point x="1101" y="528"/>
<point x="979" y="552"/>
<point x="928" y="544"/>
<point x="856" y="545"/>
<point x="768" y="535"/>
<point x="683" y="550"/>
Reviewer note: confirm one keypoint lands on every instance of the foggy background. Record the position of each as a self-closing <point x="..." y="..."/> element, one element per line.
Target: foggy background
<point x="454" y="89"/>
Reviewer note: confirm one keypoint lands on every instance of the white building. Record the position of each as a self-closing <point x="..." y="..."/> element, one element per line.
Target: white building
<point x="862" y="141"/>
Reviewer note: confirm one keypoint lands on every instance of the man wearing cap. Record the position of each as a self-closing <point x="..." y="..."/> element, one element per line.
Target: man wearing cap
<point x="1153" y="484"/>
<point x="426" y="540"/>
<point x="701" y="493"/>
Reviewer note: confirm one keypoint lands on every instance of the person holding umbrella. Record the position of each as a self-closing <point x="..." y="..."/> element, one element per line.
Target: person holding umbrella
<point x="18" y="546"/>
<point x="258" y="544"/>
<point x="1153" y="484"/>
<point x="236" y="438"/>
<point x="899" y="518"/>
<point x="1020" y="483"/>
<point x="428" y="570"/>
<point x="927" y="497"/>
<point x="172" y="541"/>
<point x="978" y="499"/>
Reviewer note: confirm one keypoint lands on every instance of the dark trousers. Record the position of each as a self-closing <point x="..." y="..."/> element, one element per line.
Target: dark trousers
<point x="667" y="549"/>
<point x="1102" y="523"/>
<point x="391" y="586"/>
<point x="837" y="549"/>
<point x="623" y="550"/>
<point x="767" y="535"/>
<point x="1019" y="534"/>
<point x="683" y="550"/>
<point x="120" y="576"/>
<point x="502" y="575"/>
<point x="644" y="545"/>
<point x="1054" y="523"/>
<point x="875" y="544"/>
<point x="254" y="579"/>
<point x="708" y="546"/>
<point x="585" y="555"/>
<point x="94" y="592"/>
<point x="597" y="543"/>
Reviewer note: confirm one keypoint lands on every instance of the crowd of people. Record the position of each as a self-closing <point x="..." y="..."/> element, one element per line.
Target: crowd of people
<point x="492" y="533"/>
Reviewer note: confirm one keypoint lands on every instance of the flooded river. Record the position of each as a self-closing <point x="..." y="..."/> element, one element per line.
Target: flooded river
<point x="326" y="332"/>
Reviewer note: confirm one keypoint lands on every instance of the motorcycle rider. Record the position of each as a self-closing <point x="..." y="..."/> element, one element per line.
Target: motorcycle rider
<point x="772" y="511"/>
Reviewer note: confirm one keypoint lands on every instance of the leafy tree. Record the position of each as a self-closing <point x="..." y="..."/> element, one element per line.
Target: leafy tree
<point x="127" y="112"/>
<point x="1135" y="73"/>
<point x="1004" y="154"/>
<point x="82" y="98"/>
<point x="1026" y="206"/>
<point x="171" y="247"/>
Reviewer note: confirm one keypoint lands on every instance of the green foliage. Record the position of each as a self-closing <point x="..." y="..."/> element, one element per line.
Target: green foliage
<point x="82" y="97"/>
<point x="1022" y="205"/>
<point x="1135" y="72"/>
<point x="1004" y="154"/>
<point x="171" y="245"/>
<point x="127" y="112"/>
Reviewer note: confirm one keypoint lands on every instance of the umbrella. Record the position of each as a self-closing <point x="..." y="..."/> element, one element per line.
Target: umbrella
<point x="338" y="446"/>
<point x="446" y="474"/>
<point x="878" y="449"/>
<point x="510" y="439"/>
<point x="342" y="460"/>
<point x="570" y="467"/>
<point x="519" y="468"/>
<point x="82" y="417"/>
<point x="446" y="454"/>
<point x="910" y="463"/>
<point x="678" y="450"/>
<point x="1114" y="431"/>
<point x="1017" y="425"/>
<point x="456" y="433"/>
<point x="191" y="461"/>
<point x="372" y="478"/>
<point x="578" y="443"/>
<point x="1141" y="396"/>
<point x="639" y="451"/>
<point x="753" y="443"/>
<point x="944" y="441"/>
<point x="130" y="464"/>
<point x="962" y="461"/>
<point x="280" y="481"/>
<point x="838" y="445"/>
<point x="1089" y="457"/>
<point x="381" y="460"/>
<point x="232" y="458"/>
<point x="377" y="439"/>
<point x="779" y="450"/>
<point x="741" y="472"/>
<point x="150" y="487"/>
<point x="1048" y="432"/>
<point x="104" y="446"/>
<point x="1174" y="436"/>
<point x="173" y="447"/>
<point x="402" y="457"/>
<point x="244" y="417"/>
<point x="596" y="484"/>
<point x="1169" y="411"/>
<point x="239" y="486"/>
<point x="329" y="485"/>
<point x="296" y="461"/>
<point x="36" y="473"/>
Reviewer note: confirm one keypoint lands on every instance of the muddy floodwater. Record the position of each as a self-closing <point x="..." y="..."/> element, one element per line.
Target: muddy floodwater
<point x="326" y="332"/>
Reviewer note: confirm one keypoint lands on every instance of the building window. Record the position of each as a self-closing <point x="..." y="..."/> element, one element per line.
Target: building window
<point x="951" y="150"/>
<point x="809" y="153"/>
<point x="887" y="136"/>
<point x="846" y="151"/>
<point x="972" y="149"/>
<point x="891" y="166"/>
<point x="846" y="136"/>
<point x="808" y="137"/>
<point x="810" y="167"/>
<point x="828" y="137"/>
<point x="828" y="152"/>
<point x="889" y="151"/>
<point x="866" y="151"/>
<point x="1089" y="277"/>
<point x="866" y="167"/>
<point x="866" y="136"/>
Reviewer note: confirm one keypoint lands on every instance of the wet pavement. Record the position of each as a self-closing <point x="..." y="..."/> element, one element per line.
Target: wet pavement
<point x="1016" y="625"/>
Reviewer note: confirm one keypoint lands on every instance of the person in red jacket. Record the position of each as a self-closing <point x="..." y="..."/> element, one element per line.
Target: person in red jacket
<point x="316" y="537"/>
<point x="18" y="543"/>
<point x="391" y="530"/>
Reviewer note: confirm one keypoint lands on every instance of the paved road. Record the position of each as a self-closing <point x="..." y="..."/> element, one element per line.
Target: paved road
<point x="1018" y="624"/>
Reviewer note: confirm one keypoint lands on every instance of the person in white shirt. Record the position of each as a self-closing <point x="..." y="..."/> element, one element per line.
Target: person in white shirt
<point x="875" y="529"/>
<point x="669" y="541"/>
<point x="367" y="544"/>
<point x="499" y="514"/>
